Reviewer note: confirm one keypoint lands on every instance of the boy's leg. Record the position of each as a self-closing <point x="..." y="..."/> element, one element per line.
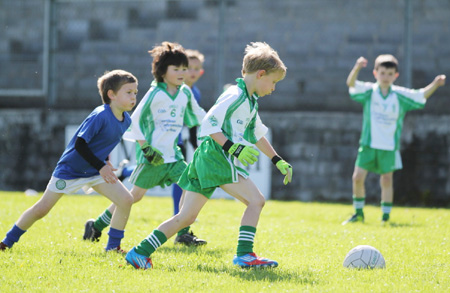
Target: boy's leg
<point x="359" y="191"/>
<point x="387" y="194"/>
<point x="93" y="228"/>
<point x="176" y="196"/>
<point x="184" y="236"/>
<point x="247" y="192"/>
<point x="139" y="255"/>
<point x="193" y="203"/>
<point x="30" y="216"/>
<point x="123" y="200"/>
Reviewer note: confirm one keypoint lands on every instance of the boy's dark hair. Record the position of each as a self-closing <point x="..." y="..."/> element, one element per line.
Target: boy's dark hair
<point x="165" y="55"/>
<point x="113" y="80"/>
<point x="387" y="61"/>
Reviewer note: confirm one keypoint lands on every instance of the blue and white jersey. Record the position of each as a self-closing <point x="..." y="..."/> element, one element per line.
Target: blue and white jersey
<point x="102" y="132"/>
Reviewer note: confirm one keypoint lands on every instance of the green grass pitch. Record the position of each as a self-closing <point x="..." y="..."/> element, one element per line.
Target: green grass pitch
<point x="307" y="239"/>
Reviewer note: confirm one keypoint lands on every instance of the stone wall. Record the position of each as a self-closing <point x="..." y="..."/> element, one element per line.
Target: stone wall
<point x="321" y="146"/>
<point x="319" y="41"/>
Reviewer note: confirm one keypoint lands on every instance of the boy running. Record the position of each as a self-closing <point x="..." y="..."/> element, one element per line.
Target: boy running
<point x="156" y="124"/>
<point x="195" y="71"/>
<point x="85" y="163"/>
<point x="384" y="108"/>
<point x="230" y="128"/>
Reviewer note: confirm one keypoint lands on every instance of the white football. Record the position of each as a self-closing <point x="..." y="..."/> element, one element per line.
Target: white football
<point x="364" y="257"/>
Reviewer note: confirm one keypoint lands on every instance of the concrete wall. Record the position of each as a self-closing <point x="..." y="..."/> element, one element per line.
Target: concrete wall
<point x="316" y="126"/>
<point x="321" y="146"/>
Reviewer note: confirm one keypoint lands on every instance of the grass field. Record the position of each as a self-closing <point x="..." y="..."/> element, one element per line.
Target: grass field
<point x="306" y="239"/>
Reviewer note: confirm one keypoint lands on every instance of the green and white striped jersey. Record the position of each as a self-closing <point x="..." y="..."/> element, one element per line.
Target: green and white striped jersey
<point x="159" y="119"/>
<point x="236" y="115"/>
<point x="383" y="115"/>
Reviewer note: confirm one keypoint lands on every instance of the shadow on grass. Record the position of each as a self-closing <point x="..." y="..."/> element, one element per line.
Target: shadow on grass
<point x="262" y="274"/>
<point x="193" y="250"/>
<point x="402" y="225"/>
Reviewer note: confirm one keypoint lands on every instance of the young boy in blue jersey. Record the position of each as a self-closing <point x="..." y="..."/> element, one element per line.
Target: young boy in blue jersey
<point x="230" y="128"/>
<point x="85" y="163"/>
<point x="156" y="123"/>
<point x="384" y="108"/>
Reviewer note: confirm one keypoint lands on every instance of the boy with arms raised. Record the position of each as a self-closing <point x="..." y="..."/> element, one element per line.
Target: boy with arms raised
<point x="85" y="163"/>
<point x="156" y="124"/>
<point x="384" y="108"/>
<point x="230" y="129"/>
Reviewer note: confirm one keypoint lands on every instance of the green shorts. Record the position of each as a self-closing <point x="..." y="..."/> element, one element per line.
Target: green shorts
<point x="147" y="176"/>
<point x="210" y="168"/>
<point x="378" y="161"/>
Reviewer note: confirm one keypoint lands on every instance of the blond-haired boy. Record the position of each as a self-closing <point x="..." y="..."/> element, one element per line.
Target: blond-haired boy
<point x="231" y="128"/>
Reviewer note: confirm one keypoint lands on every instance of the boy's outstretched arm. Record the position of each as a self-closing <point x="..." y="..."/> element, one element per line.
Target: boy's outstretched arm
<point x="434" y="85"/>
<point x="360" y="63"/>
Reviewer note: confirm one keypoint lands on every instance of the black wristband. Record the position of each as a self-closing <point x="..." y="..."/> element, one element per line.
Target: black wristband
<point x="227" y="145"/>
<point x="276" y="159"/>
<point x="85" y="152"/>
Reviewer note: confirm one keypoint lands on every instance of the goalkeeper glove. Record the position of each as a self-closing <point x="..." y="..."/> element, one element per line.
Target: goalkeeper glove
<point x="245" y="154"/>
<point x="284" y="167"/>
<point x="153" y="156"/>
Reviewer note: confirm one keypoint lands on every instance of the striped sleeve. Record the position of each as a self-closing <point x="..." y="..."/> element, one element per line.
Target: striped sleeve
<point x="410" y="99"/>
<point x="194" y="114"/>
<point x="213" y="121"/>
<point x="134" y="132"/>
<point x="361" y="91"/>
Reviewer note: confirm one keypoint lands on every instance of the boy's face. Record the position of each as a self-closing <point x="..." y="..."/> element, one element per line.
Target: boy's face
<point x="125" y="98"/>
<point x="175" y="75"/>
<point x="385" y="76"/>
<point x="265" y="83"/>
<point x="195" y="71"/>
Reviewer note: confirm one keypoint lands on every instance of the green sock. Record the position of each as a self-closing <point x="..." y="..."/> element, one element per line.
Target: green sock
<point x="103" y="220"/>
<point x="358" y="204"/>
<point x="386" y="208"/>
<point x="151" y="243"/>
<point x="184" y="231"/>
<point x="246" y="239"/>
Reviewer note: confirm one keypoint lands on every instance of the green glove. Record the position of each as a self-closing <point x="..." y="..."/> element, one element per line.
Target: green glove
<point x="245" y="154"/>
<point x="285" y="169"/>
<point x="152" y="155"/>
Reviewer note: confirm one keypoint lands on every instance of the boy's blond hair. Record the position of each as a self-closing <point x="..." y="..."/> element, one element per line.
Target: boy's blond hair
<point x="113" y="80"/>
<point x="195" y="54"/>
<point x="260" y="56"/>
<point x="386" y="60"/>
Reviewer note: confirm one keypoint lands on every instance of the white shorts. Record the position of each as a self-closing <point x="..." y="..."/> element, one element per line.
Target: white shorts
<point x="73" y="185"/>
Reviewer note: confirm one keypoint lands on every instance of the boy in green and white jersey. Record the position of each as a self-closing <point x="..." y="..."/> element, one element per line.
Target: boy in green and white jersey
<point x="231" y="128"/>
<point x="384" y="108"/>
<point x="156" y="124"/>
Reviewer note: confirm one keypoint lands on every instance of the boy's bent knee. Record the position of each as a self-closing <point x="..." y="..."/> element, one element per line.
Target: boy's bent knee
<point x="126" y="201"/>
<point x="259" y="201"/>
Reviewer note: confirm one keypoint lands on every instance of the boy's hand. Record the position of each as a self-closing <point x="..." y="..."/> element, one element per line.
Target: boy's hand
<point x="245" y="154"/>
<point x="285" y="169"/>
<point x="152" y="155"/>
<point x="107" y="173"/>
<point x="440" y="80"/>
<point x="361" y="62"/>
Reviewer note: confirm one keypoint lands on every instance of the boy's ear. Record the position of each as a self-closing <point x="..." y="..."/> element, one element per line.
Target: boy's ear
<point x="111" y="94"/>
<point x="260" y="73"/>
<point x="202" y="71"/>
<point x="374" y="73"/>
<point x="397" y="74"/>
